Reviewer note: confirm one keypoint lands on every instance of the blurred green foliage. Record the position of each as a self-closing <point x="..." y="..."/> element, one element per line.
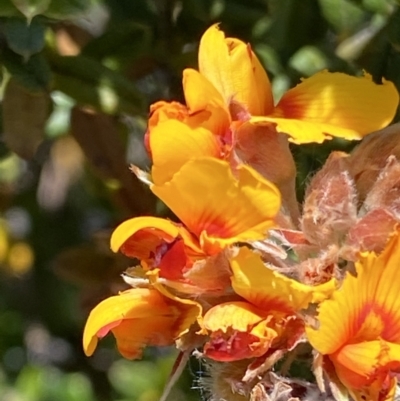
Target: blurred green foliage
<point x="77" y="78"/>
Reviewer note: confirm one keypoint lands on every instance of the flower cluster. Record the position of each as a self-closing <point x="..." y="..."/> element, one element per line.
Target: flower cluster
<point x="245" y="276"/>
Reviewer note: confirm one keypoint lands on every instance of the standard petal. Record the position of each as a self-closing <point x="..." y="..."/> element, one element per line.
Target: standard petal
<point x="214" y="62"/>
<point x="385" y="270"/>
<point x="366" y="307"/>
<point x="338" y="105"/>
<point x="365" y="368"/>
<point x="269" y="290"/>
<point x="339" y="316"/>
<point x="233" y="68"/>
<point x="250" y="81"/>
<point x="173" y="143"/>
<point x="301" y="131"/>
<point x="218" y="208"/>
<point x="137" y="318"/>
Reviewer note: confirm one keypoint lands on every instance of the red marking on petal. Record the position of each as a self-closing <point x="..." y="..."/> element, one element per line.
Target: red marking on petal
<point x="106" y="329"/>
<point x="232" y="346"/>
<point x="143" y="243"/>
<point x="173" y="261"/>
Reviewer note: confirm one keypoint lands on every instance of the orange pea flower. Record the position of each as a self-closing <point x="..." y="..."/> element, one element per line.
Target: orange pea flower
<point x="139" y="317"/>
<point x="322" y="106"/>
<point x="266" y="319"/>
<point x="359" y="327"/>
<point x="230" y="114"/>
<point x="216" y="208"/>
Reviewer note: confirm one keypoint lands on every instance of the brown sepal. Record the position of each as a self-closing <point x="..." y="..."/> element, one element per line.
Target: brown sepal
<point x="385" y="193"/>
<point x="330" y="206"/>
<point x="369" y="158"/>
<point x="268" y="152"/>
<point x="371" y="233"/>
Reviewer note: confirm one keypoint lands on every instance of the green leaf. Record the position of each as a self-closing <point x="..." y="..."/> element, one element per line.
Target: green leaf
<point x="34" y="74"/>
<point x="269" y="58"/>
<point x="90" y="83"/>
<point x="23" y="38"/>
<point x="66" y="9"/>
<point x="128" y="39"/>
<point x="8" y="9"/>
<point x="308" y="60"/>
<point x="24" y="118"/>
<point x="294" y="24"/>
<point x="345" y="16"/>
<point x="31" y="8"/>
<point x="381" y="57"/>
<point x="380" y="6"/>
<point x="133" y="379"/>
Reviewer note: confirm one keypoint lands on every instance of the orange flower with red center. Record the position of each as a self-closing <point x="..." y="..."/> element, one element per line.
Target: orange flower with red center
<point x="216" y="208"/>
<point x="139" y="317"/>
<point x="322" y="106"/>
<point x="230" y="114"/>
<point x="231" y="87"/>
<point x="359" y="327"/>
<point x="266" y="319"/>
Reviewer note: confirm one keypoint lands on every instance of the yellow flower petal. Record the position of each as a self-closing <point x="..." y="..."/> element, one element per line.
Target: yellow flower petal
<point x="366" y="307"/>
<point x="361" y="358"/>
<point x="200" y="93"/>
<point x="155" y="228"/>
<point x="338" y="105"/>
<point x="232" y="67"/>
<point x="218" y="208"/>
<point x="137" y="318"/>
<point x="238" y="330"/>
<point x="302" y="132"/>
<point x="238" y="315"/>
<point x="206" y="105"/>
<point x="269" y="290"/>
<point x="162" y="111"/>
<point x="381" y="276"/>
<point x="173" y="143"/>
<point x="364" y="367"/>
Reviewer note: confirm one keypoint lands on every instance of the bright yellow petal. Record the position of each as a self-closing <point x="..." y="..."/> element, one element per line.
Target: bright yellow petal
<point x="201" y="93"/>
<point x="384" y="272"/>
<point x="338" y="104"/>
<point x="269" y="290"/>
<point x="366" y="307"/>
<point x="338" y="317"/>
<point x="238" y="315"/>
<point x="173" y="143"/>
<point x="237" y="331"/>
<point x="365" y="367"/>
<point x="233" y="68"/>
<point x="302" y="132"/>
<point x="137" y="318"/>
<point x="162" y="111"/>
<point x="206" y="105"/>
<point x="154" y="226"/>
<point x="361" y="358"/>
<point x="218" y="208"/>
